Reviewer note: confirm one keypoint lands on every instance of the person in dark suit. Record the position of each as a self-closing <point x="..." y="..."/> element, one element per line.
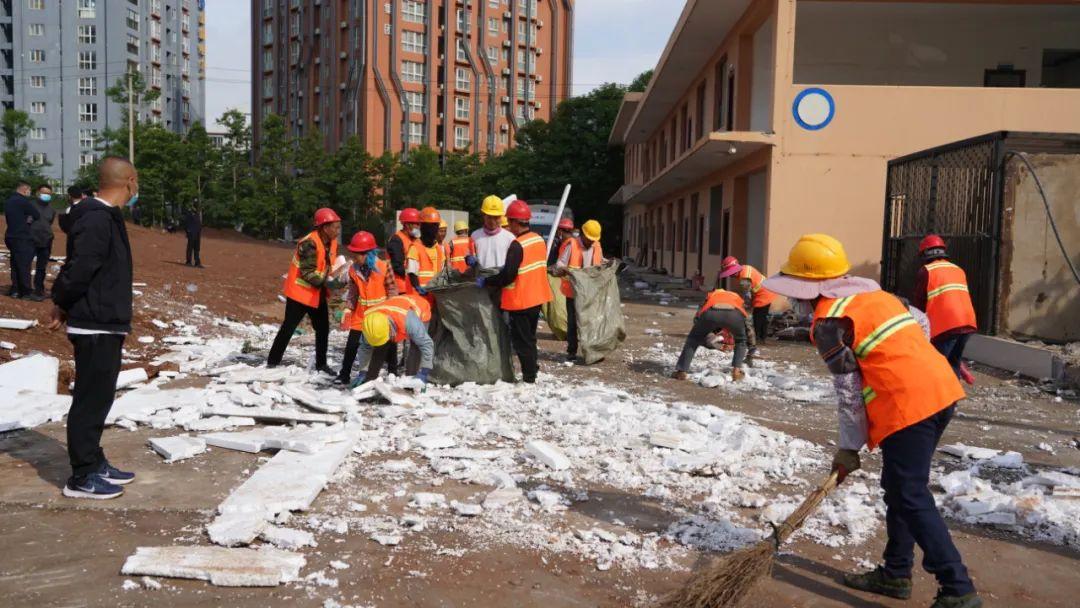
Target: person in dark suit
<point x="75" y="196"/>
<point x="41" y="231"/>
<point x="92" y="295"/>
<point x="20" y="213"/>
<point x="193" y="230"/>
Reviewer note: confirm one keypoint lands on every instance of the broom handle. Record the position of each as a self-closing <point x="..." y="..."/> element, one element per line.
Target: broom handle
<point x="798" y="516"/>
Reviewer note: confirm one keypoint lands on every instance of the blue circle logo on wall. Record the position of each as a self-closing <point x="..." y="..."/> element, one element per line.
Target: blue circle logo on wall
<point x="813" y="109"/>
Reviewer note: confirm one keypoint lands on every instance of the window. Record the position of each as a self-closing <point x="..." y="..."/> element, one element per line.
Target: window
<point x="37" y="133"/>
<point x="133" y="44"/>
<point x="504" y="139"/>
<point x="414" y="101"/>
<point x="521" y="29"/>
<point x="520" y="88"/>
<point x="294" y="51"/>
<point x="87" y="9"/>
<point x="493" y="4"/>
<point x="35" y="29"/>
<point x="87" y="159"/>
<point x="268" y="86"/>
<point x="412" y="11"/>
<point x="493" y="26"/>
<point x="521" y="59"/>
<point x="268" y="33"/>
<point x="294" y="26"/>
<point x="493" y="54"/>
<point x="87" y="34"/>
<point x="39" y="158"/>
<point x="461" y="137"/>
<point x="87" y="137"/>
<point x="461" y="108"/>
<point x="37" y="56"/>
<point x="37" y="107"/>
<point x="461" y="50"/>
<point x="464" y="79"/>
<point x="87" y="112"/>
<point x="416" y="132"/>
<point x="87" y="85"/>
<point x="155" y="52"/>
<point x="268" y="59"/>
<point x="133" y="19"/>
<point x="37" y="82"/>
<point x="87" y="60"/>
<point x="464" y="21"/>
<point x="412" y="71"/>
<point x="413" y="42"/>
<point x="504" y="83"/>
<point x="36" y="5"/>
<point x="155" y="77"/>
<point x="506" y="55"/>
<point x="155" y="30"/>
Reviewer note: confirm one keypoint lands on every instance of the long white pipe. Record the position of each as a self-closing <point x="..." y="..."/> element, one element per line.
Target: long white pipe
<point x="558" y="217"/>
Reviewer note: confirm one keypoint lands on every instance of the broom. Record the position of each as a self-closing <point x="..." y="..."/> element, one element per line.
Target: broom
<point x="728" y="580"/>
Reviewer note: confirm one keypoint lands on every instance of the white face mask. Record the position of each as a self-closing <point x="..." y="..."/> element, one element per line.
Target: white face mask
<point x="415" y="233"/>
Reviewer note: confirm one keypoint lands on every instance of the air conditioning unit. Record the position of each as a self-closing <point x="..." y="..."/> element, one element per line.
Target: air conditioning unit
<point x="388" y="8"/>
<point x="318" y="60"/>
<point x="506" y="43"/>
<point x="539" y="23"/>
<point x="440" y="115"/>
<point x="508" y="15"/>
<point x="386" y="29"/>
<point x="539" y="78"/>
<point x="317" y="89"/>
<point x="343" y="55"/>
<point x="318" y="31"/>
<point x="506" y="70"/>
<point x="344" y="24"/>
<point x="342" y="86"/>
<point x="504" y="127"/>
<point x="539" y="105"/>
<point x="442" y="57"/>
<point x="506" y="99"/>
<point x="539" y="50"/>
<point x="316" y="118"/>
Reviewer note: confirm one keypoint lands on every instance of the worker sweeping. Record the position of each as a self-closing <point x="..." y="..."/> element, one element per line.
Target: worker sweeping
<point x="525" y="286"/>
<point x="722" y="310"/>
<point x="397" y="246"/>
<point x="576" y="254"/>
<point x="491" y="240"/>
<point x="462" y="249"/>
<point x="894" y="391"/>
<point x="370" y="283"/>
<point x="426" y="256"/>
<point x="390" y="323"/>
<point x="941" y="291"/>
<point x="306" y="286"/>
<point x="758" y="299"/>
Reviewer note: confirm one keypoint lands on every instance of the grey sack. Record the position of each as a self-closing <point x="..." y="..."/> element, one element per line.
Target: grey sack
<point x="472" y="343"/>
<point x="599" y="310"/>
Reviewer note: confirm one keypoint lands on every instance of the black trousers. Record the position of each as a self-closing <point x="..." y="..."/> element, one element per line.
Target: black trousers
<point x="294" y="313"/>
<point x="22" y="254"/>
<point x="97" y="364"/>
<point x="761" y="323"/>
<point x="571" y="328"/>
<point x="194" y="242"/>
<point x="523" y="338"/>
<point x="709" y="322"/>
<point x="42" y="266"/>
<point x="387" y="353"/>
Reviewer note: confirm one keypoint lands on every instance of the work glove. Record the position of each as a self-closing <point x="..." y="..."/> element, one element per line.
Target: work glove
<point x="480" y="281"/>
<point x="421" y="291"/>
<point x="470" y="260"/>
<point x="359" y="380"/>
<point x="423" y="374"/>
<point x="845" y="462"/>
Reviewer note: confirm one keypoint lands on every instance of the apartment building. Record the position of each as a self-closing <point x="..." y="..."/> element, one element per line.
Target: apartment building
<point x="768" y="119"/>
<point x="451" y="75"/>
<point x="58" y="57"/>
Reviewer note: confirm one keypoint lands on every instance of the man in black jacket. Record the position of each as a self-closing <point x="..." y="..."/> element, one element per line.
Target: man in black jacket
<point x="93" y="295"/>
<point x="76" y="195"/>
<point x="193" y="230"/>
<point x="19" y="213"/>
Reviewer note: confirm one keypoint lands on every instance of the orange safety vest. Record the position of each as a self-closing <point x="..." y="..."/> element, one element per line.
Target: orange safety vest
<point x="368" y="293"/>
<point x="531" y="287"/>
<point x="428" y="267"/>
<point x="406" y="242"/>
<point x="461" y="247"/>
<point x="761" y="297"/>
<point x="905" y="379"/>
<point x="722" y="296"/>
<point x="296" y="288"/>
<point x="576" y="261"/>
<point x="397" y="307"/>
<point x="948" y="302"/>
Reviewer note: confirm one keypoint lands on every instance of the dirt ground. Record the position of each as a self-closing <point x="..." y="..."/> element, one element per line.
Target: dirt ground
<point x="68" y="553"/>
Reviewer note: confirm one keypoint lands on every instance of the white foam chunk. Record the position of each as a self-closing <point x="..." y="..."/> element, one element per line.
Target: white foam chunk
<point x="26" y="409"/>
<point x="270" y="415"/>
<point x="143" y="402"/>
<point x="548" y="454"/>
<point x="435" y="442"/>
<point x="266" y="567"/>
<point x="966" y="451"/>
<point x="131" y="376"/>
<point x="287" y="538"/>
<point x="173" y="449"/>
<point x="17" y="323"/>
<point x="37" y="372"/>
<point x="467" y="509"/>
<point x="395" y="396"/>
<point x="233" y="529"/>
<point x="311" y="399"/>
<point x="502" y="498"/>
<point x="252" y="441"/>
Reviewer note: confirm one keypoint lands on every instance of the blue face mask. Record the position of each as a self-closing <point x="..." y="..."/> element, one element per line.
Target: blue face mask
<point x="45" y="197"/>
<point x="134" y="199"/>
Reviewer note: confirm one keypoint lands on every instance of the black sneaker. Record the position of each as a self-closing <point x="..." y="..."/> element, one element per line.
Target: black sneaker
<point x="969" y="600"/>
<point x="114" y="475"/>
<point x="91" y="486"/>
<point x="876" y="581"/>
<point x="326" y="370"/>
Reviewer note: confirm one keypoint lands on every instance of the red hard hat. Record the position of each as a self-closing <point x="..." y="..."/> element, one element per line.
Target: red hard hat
<point x="430" y="215"/>
<point x="566" y="224"/>
<point x="409" y="215"/>
<point x="730" y="266"/>
<point x="931" y="241"/>
<point x="519" y="210"/>
<point x="362" y="241"/>
<point x="326" y="215"/>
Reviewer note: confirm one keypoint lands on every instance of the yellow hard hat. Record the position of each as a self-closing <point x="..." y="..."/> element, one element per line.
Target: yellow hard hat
<point x="504" y="222"/>
<point x="817" y="256"/>
<point x="461" y="225"/>
<point x="591" y="230"/>
<point x="376" y="328"/>
<point x="492" y="205"/>
<point x="442" y="223"/>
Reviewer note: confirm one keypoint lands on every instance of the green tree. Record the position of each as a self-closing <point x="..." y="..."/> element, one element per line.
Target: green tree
<point x="233" y="180"/>
<point x="354" y="176"/>
<point x="15" y="163"/>
<point x="265" y="212"/>
<point x="641" y="82"/>
<point x="311" y="186"/>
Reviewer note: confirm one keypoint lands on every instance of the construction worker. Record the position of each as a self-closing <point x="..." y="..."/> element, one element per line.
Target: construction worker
<point x="398" y="245"/>
<point x="370" y="283"/>
<point x="757" y="297"/>
<point x="563" y="230"/>
<point x="576" y="254"/>
<point x="941" y="291"/>
<point x="895" y="391"/>
<point x="306" y="288"/>
<point x="390" y="323"/>
<point x="441" y="238"/>
<point x="722" y="310"/>
<point x="462" y="253"/>
<point x="491" y="240"/>
<point x="525" y="286"/>
<point x="426" y="256"/>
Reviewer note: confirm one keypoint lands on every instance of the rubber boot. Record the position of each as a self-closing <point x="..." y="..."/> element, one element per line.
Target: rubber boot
<point x="678" y="375"/>
<point x="876" y="581"/>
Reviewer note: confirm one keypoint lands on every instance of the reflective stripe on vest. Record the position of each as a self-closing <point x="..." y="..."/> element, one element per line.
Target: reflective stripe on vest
<point x="428" y="267"/>
<point x="761" y="297"/>
<point x="530" y="287"/>
<point x="368" y="293"/>
<point x="905" y="379"/>
<point x="460" y="248"/>
<point x="398" y="307"/>
<point x="722" y="296"/>
<point x="575" y="261"/>
<point x="948" y="302"/>
<point x="296" y="288"/>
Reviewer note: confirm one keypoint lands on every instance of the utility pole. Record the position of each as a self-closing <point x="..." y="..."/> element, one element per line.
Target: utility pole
<point x="131" y="121"/>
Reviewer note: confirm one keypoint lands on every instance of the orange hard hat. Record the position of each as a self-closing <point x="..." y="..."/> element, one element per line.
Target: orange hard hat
<point x="519" y="210"/>
<point x="932" y="241"/>
<point x="362" y="241"/>
<point x="409" y="215"/>
<point x="430" y="215"/>
<point x="326" y="215"/>
<point x="566" y="224"/>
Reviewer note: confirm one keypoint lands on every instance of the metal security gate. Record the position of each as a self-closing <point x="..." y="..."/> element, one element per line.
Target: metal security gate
<point x="955" y="191"/>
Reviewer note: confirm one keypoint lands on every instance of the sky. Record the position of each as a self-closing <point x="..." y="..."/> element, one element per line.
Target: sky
<point x="614" y="41"/>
